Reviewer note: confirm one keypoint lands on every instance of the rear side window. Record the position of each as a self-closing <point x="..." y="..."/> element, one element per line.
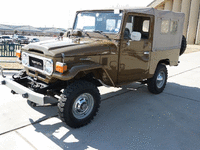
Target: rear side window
<point x="173" y="27"/>
<point x="165" y="26"/>
<point x="145" y="27"/>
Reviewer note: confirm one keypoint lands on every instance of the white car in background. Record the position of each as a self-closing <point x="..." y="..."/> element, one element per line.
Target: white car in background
<point x="33" y="40"/>
<point x="6" y="39"/>
<point x="20" y="39"/>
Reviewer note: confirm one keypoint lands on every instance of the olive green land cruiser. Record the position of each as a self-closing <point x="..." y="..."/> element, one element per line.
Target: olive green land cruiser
<point x="105" y="47"/>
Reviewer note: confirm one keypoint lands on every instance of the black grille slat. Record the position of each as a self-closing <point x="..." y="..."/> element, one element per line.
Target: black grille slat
<point x="30" y="71"/>
<point x="41" y="75"/>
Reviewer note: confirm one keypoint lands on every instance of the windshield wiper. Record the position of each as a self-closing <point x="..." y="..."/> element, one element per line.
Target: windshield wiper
<point x="101" y="32"/>
<point x="85" y="32"/>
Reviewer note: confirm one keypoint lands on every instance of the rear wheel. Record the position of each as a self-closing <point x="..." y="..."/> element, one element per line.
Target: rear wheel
<point x="79" y="103"/>
<point x="157" y="83"/>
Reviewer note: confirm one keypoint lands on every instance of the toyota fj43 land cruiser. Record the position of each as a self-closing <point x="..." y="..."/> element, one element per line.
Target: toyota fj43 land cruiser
<point x="105" y="47"/>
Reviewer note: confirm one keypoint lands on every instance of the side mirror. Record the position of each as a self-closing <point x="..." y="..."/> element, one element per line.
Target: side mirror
<point x="136" y="36"/>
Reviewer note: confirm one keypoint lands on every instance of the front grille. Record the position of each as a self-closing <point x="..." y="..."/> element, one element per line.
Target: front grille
<point x="36" y="63"/>
<point x="33" y="72"/>
<point x="39" y="74"/>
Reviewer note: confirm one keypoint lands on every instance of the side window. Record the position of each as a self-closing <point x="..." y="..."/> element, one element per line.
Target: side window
<point x="137" y="28"/>
<point x="174" y="27"/>
<point x="165" y="26"/>
<point x="145" y="27"/>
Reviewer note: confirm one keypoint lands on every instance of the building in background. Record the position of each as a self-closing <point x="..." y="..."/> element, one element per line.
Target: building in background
<point x="191" y="8"/>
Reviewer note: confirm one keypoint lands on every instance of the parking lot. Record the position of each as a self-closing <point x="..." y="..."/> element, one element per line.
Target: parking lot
<point x="129" y="117"/>
<point x="41" y="38"/>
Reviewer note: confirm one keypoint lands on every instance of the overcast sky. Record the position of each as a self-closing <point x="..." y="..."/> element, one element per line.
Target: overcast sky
<point x="55" y="13"/>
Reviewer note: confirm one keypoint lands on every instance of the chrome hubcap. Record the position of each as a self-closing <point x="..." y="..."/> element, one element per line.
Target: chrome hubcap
<point x="160" y="79"/>
<point x="83" y="106"/>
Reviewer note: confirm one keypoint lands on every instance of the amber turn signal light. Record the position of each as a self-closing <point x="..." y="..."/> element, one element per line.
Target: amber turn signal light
<point x="18" y="54"/>
<point x="61" y="67"/>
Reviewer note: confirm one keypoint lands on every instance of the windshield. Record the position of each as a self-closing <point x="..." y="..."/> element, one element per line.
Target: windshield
<point x="98" y="21"/>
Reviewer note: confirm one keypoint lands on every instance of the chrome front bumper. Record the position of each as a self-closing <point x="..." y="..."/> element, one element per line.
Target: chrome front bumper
<point x="25" y="92"/>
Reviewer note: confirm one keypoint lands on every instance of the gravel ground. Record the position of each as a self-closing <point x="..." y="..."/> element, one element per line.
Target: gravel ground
<point x="13" y="66"/>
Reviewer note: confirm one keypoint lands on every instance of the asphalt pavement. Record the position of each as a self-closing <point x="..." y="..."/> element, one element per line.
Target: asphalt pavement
<point x="130" y="118"/>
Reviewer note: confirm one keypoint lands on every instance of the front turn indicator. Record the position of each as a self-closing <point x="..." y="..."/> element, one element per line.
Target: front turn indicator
<point x="18" y="54"/>
<point x="61" y="67"/>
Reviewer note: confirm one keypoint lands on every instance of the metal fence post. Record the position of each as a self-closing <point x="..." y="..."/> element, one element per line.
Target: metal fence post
<point x="8" y="50"/>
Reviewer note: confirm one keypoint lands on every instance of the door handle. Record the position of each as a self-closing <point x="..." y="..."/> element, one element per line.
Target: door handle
<point x="146" y="53"/>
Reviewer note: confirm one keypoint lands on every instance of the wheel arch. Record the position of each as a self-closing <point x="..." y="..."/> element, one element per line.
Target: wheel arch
<point x="153" y="67"/>
<point x="96" y="76"/>
<point x="85" y="71"/>
<point x="164" y="61"/>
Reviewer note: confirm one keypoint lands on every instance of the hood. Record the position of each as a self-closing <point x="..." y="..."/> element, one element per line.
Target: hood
<point x="70" y="47"/>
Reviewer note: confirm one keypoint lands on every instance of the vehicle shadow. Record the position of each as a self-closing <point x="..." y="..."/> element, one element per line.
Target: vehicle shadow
<point x="133" y="118"/>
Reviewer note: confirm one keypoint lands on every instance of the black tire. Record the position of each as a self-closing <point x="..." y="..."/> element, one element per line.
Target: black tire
<point x="79" y="103"/>
<point x="33" y="104"/>
<point x="183" y="45"/>
<point x="157" y="83"/>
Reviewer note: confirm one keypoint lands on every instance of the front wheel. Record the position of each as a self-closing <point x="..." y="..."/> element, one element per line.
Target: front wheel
<point x="79" y="103"/>
<point x="157" y="83"/>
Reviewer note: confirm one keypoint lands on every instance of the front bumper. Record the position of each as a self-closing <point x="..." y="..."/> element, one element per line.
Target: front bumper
<point x="26" y="92"/>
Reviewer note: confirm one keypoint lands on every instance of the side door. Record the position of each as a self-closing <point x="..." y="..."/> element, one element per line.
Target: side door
<point x="135" y="48"/>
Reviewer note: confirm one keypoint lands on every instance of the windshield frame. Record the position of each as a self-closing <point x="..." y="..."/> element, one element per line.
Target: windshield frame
<point x="99" y="11"/>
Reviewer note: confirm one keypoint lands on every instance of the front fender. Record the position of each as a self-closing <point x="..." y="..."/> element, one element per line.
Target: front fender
<point x="70" y="74"/>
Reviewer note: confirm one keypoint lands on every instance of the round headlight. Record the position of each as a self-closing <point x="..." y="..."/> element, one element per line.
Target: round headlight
<point x="48" y="66"/>
<point x="24" y="59"/>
